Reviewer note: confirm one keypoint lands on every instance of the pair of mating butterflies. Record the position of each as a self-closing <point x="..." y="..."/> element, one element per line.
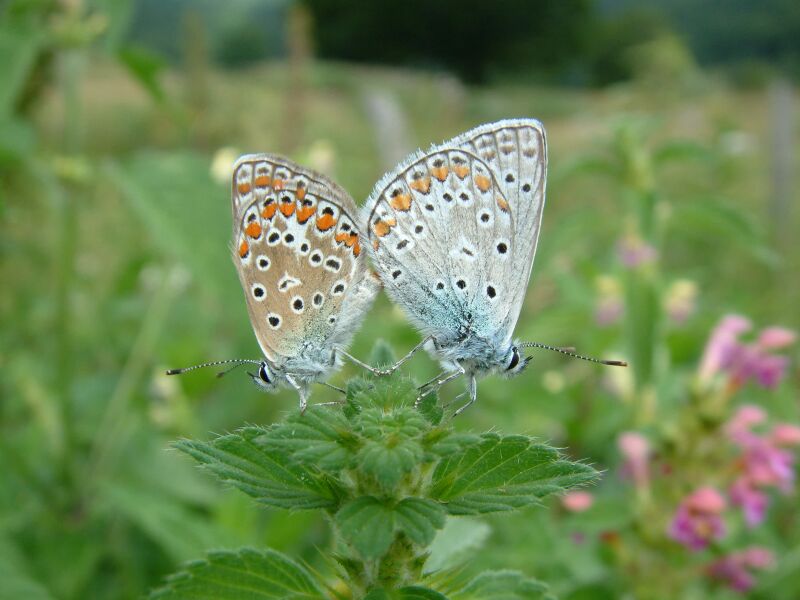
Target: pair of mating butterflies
<point x="451" y="232"/>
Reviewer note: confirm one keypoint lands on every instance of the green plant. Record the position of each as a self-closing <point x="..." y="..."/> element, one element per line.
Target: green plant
<point x="387" y="474"/>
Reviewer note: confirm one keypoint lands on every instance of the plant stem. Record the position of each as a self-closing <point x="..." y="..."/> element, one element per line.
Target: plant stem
<point x="71" y="66"/>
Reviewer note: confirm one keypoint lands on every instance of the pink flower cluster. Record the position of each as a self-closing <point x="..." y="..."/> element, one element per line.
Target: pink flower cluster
<point x="698" y="520"/>
<point x="736" y="569"/>
<point x="743" y="362"/>
<point x="766" y="461"/>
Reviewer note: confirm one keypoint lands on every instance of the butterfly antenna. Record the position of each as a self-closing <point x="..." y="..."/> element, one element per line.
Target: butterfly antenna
<point x="238" y="361"/>
<point x="571" y="352"/>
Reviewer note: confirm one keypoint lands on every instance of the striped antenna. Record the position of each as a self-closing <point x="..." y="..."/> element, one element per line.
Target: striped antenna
<point x="571" y="352"/>
<point x="238" y="361"/>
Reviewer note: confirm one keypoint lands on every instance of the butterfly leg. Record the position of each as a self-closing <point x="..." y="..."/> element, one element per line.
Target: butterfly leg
<point x="437" y="383"/>
<point x="473" y="395"/>
<point x="360" y="363"/>
<point x="302" y="391"/>
<point x="333" y="387"/>
<point x="410" y="353"/>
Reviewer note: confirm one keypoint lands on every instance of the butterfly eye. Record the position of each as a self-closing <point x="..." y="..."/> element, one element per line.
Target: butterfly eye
<point x="514" y="359"/>
<point x="263" y="374"/>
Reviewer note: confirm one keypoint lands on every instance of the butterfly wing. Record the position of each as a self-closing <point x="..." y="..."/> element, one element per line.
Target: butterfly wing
<point x="298" y="253"/>
<point x="453" y="239"/>
<point x="516" y="152"/>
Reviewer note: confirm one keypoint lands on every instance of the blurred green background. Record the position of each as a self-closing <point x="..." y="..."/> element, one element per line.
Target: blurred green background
<point x="673" y="134"/>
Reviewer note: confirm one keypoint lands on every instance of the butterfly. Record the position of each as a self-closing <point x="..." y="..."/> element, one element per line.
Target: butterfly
<point x="298" y="252"/>
<point x="452" y="233"/>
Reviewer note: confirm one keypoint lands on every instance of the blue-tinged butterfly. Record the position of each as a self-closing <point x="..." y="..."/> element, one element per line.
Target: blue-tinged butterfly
<point x="452" y="232"/>
<point x="299" y="255"/>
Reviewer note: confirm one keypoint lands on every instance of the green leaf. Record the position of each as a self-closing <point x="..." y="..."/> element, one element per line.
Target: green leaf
<point x="180" y="531"/>
<point x="456" y="542"/>
<point x="320" y="438"/>
<point x="419" y="518"/>
<point x="382" y="355"/>
<point x="417" y="592"/>
<point x="387" y="393"/>
<point x="392" y="448"/>
<point x="429" y="408"/>
<point x="443" y="442"/>
<point x="184" y="210"/>
<point x="244" y="574"/>
<point x="16" y="577"/>
<point x="503" y="473"/>
<point x="389" y="460"/>
<point x="357" y="389"/>
<point x="368" y="525"/>
<point x="411" y="592"/>
<point x="20" y="42"/>
<point x="502" y="585"/>
<point x="17" y="139"/>
<point x="267" y="474"/>
<point x="145" y="67"/>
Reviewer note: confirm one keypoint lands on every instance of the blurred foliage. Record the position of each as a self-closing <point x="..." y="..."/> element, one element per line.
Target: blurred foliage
<point x="574" y="42"/>
<point x="469" y="37"/>
<point x="113" y="255"/>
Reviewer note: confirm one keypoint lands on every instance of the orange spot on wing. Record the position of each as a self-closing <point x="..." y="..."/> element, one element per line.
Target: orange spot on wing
<point x="348" y="238"/>
<point x="253" y="229"/>
<point x="287" y="208"/>
<point x="440" y="173"/>
<point x="401" y="202"/>
<point x="325" y="222"/>
<point x="262" y="181"/>
<point x="382" y="228"/>
<point x="277" y="184"/>
<point x="423" y="184"/>
<point x="501" y="202"/>
<point x="304" y="213"/>
<point x="461" y="171"/>
<point x="301" y="192"/>
<point x="243" y="188"/>
<point x="269" y="210"/>
<point x="244" y="248"/>
<point x="356" y="248"/>
<point x="483" y="182"/>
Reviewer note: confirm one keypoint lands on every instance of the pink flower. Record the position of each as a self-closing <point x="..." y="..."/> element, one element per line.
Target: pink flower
<point x="742" y="362"/>
<point x="721" y="345"/>
<point x="750" y="499"/>
<point x="634" y="252"/>
<point x="740" y="425"/>
<point x="768" y="369"/>
<point x="764" y="462"/>
<point x="698" y="519"/>
<point x="775" y="338"/>
<point x="635" y="449"/>
<point x="736" y="569"/>
<point x="785" y="434"/>
<point x="767" y="465"/>
<point x="577" y="501"/>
